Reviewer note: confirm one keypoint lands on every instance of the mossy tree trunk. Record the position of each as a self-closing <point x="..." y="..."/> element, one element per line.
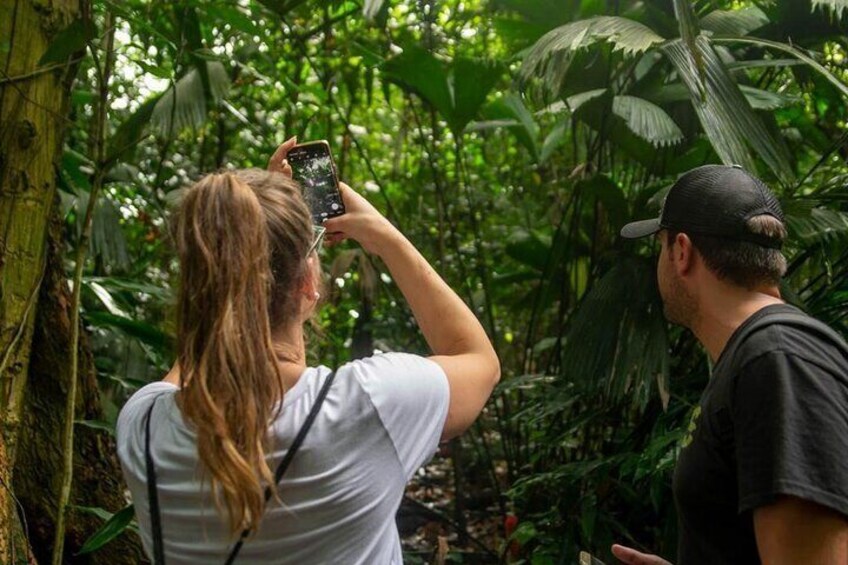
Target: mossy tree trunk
<point x="35" y="305"/>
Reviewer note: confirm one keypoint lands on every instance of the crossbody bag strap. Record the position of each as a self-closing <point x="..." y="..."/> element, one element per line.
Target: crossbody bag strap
<point x="287" y="459"/>
<point x="152" y="493"/>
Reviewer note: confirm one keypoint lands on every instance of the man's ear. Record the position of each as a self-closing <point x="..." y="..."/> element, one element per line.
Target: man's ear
<point x="683" y="254"/>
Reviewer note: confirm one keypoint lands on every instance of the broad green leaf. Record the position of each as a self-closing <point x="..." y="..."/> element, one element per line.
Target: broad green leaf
<point x="70" y="40"/>
<point x="622" y="317"/>
<point x="647" y="120"/>
<point x="143" y="331"/>
<point x="456" y="90"/>
<point x="105" y="298"/>
<point x="184" y="104"/>
<point x="113" y="527"/>
<point x="470" y="82"/>
<point x="727" y="118"/>
<point x="420" y="72"/>
<point x="510" y="112"/>
<point x="734" y="22"/>
<point x="551" y="56"/>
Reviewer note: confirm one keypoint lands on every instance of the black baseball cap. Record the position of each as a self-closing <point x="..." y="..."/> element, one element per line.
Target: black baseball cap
<point x="713" y="200"/>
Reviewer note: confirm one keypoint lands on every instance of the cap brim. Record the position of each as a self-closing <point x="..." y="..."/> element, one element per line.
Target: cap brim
<point x="635" y="230"/>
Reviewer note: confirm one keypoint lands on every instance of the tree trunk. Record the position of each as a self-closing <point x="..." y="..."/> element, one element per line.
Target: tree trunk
<point x="34" y="304"/>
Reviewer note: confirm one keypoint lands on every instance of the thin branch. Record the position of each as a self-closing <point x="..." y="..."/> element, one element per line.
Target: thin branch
<point x="39" y="71"/>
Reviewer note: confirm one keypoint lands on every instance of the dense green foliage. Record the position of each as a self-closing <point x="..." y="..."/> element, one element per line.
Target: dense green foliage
<point x="510" y="140"/>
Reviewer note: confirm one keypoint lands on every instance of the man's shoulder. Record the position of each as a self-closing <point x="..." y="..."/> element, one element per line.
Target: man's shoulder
<point x="787" y="331"/>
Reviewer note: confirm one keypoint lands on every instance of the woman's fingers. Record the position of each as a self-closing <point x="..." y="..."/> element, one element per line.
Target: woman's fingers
<point x="278" y="163"/>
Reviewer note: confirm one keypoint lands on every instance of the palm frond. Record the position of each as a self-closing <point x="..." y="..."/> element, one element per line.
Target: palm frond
<point x="734" y="22"/>
<point x="727" y="118"/>
<point x="792" y="50"/>
<point x="622" y="319"/>
<point x="647" y="120"/>
<point x="760" y="99"/>
<point x="551" y="56"/>
<point x="836" y="7"/>
<point x="184" y="104"/>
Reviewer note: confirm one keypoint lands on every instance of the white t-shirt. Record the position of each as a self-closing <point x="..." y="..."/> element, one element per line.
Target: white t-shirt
<point x="381" y="420"/>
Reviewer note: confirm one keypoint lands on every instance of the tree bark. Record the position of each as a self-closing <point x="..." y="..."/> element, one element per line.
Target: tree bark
<point x="34" y="306"/>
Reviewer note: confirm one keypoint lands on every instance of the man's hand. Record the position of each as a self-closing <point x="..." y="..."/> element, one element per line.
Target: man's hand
<point x="278" y="162"/>
<point x="633" y="557"/>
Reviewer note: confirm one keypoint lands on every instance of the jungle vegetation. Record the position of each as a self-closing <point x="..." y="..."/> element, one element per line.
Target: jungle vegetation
<point x="509" y="139"/>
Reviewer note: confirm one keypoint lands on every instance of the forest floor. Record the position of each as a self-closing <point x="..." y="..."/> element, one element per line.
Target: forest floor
<point x="430" y="527"/>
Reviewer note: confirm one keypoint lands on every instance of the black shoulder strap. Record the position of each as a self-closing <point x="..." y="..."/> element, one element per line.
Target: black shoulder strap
<point x="284" y="464"/>
<point x="152" y="494"/>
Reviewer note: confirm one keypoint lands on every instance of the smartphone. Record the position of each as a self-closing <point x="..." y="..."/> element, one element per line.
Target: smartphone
<point x="312" y="166"/>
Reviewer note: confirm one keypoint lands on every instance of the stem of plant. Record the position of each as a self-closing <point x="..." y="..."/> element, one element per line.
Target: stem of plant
<point x="79" y="266"/>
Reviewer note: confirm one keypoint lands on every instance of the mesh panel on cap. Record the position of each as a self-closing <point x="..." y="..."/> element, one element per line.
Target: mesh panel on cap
<point x="718" y="200"/>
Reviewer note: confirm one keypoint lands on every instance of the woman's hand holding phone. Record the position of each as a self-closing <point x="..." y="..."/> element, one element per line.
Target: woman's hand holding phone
<point x="361" y="222"/>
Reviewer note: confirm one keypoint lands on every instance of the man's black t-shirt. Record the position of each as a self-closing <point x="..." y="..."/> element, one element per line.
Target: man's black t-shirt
<point x="772" y="421"/>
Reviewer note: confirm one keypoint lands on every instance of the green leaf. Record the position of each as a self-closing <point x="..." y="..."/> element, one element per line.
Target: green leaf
<point x="418" y="71"/>
<point x="509" y="111"/>
<point x="184" y="104"/>
<point x="143" y="331"/>
<point x="727" y="118"/>
<point x="233" y="16"/>
<point x="734" y="22"/>
<point x="834" y="6"/>
<point x="68" y="41"/>
<point x="131" y="131"/>
<point x="97" y="425"/>
<point x="105" y="298"/>
<point x="647" y="120"/>
<point x="765" y="100"/>
<point x="551" y="56"/>
<point x="113" y="527"/>
<point x="371" y="8"/>
<point x="457" y="90"/>
<point x="470" y="82"/>
<point x="554" y="140"/>
<point x="795" y="52"/>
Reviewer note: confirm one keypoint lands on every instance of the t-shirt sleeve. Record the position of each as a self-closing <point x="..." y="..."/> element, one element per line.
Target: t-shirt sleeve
<point x="129" y="427"/>
<point x="411" y="396"/>
<point x="791" y="428"/>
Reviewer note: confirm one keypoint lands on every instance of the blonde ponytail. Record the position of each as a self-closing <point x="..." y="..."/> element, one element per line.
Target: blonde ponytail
<point x="242" y="239"/>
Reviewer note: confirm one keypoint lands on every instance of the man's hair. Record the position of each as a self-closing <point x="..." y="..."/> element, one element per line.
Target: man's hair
<point x="743" y="263"/>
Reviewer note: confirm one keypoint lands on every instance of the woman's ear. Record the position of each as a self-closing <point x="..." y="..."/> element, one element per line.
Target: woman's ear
<point x="311" y="281"/>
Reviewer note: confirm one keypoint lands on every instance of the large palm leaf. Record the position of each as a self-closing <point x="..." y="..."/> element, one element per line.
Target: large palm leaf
<point x="184" y="105"/>
<point x="552" y="54"/>
<point x="724" y="113"/>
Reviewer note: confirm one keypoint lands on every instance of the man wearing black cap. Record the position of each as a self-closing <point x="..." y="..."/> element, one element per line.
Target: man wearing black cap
<point x="763" y="475"/>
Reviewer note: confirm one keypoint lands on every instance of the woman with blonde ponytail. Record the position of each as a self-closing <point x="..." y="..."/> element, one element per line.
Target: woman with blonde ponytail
<point x="199" y="449"/>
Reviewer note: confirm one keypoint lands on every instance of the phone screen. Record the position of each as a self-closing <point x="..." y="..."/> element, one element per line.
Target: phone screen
<point x="312" y="166"/>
